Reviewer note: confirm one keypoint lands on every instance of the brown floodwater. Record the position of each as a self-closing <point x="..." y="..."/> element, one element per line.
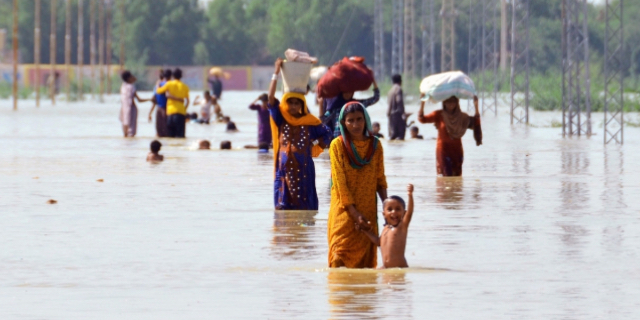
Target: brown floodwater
<point x="539" y="227"/>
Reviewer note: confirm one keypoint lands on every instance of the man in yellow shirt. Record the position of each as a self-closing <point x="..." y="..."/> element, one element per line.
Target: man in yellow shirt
<point x="177" y="104"/>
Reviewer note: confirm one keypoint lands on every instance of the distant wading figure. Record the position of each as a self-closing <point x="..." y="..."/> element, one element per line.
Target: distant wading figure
<point x="177" y="104"/>
<point x="451" y="124"/>
<point x="297" y="137"/>
<point x="128" y="109"/>
<point x="357" y="174"/>
<point x="161" y="103"/>
<point x="396" y="114"/>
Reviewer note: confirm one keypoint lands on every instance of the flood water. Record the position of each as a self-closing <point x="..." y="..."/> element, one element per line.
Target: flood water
<point x="539" y="227"/>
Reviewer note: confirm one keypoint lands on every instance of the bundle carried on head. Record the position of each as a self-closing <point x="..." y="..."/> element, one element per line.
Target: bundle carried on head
<point x="296" y="71"/>
<point x="442" y="86"/>
<point x="217" y="71"/>
<point x="346" y="75"/>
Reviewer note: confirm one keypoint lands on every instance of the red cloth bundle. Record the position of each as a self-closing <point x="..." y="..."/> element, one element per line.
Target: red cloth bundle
<point x="346" y="75"/>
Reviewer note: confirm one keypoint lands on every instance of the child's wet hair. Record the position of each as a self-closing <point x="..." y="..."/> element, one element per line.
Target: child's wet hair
<point x="126" y="75"/>
<point x="263" y="97"/>
<point x="155" y="146"/>
<point x="177" y="73"/>
<point x="225" y="145"/>
<point x="415" y="129"/>
<point x="399" y="199"/>
<point x="375" y="124"/>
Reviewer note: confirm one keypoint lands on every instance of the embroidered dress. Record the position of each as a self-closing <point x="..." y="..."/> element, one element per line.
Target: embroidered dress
<point x="295" y="174"/>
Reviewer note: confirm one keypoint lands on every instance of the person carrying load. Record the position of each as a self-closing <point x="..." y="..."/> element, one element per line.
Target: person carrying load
<point x="450" y="122"/>
<point x="338" y="85"/>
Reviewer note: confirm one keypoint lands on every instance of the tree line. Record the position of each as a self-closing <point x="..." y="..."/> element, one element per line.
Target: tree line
<point x="255" y="32"/>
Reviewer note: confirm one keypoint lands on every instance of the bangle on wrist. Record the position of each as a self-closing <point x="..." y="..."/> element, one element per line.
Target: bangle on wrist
<point x="274" y="76"/>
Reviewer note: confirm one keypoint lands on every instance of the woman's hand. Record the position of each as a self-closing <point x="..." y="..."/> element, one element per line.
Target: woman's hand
<point x="278" y="65"/>
<point x="359" y="219"/>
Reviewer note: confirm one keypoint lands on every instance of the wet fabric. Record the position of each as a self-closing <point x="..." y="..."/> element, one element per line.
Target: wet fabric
<point x="356" y="187"/>
<point x="293" y="148"/>
<point x="215" y="86"/>
<point x="449" y="152"/>
<point x="176" y="125"/>
<point x="396" y="113"/>
<point x="264" y="127"/>
<point x="161" y="122"/>
<point x="128" y="110"/>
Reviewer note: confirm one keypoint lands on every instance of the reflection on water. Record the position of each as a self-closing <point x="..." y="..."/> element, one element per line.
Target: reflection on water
<point x="449" y="191"/>
<point x="293" y="234"/>
<point x="613" y="192"/>
<point x="574" y="192"/>
<point x="353" y="295"/>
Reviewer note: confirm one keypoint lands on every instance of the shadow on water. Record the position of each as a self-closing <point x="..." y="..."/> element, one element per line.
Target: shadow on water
<point x="293" y="235"/>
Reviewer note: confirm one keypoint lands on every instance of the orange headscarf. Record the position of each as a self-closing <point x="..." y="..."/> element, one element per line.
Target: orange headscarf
<point x="306" y="120"/>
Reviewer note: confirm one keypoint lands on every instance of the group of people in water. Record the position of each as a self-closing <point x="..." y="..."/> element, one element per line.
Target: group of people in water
<point x="356" y="155"/>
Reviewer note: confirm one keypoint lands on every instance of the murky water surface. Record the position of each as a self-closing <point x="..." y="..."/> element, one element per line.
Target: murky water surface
<point x="540" y="227"/>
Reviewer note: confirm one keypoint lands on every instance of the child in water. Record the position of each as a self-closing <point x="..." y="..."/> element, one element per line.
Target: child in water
<point x="153" y="156"/>
<point x="393" y="239"/>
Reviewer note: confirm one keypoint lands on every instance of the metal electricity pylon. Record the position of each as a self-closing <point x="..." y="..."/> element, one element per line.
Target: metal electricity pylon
<point x="409" y="39"/>
<point x="519" y="61"/>
<point x="378" y="40"/>
<point x="397" y="37"/>
<point x="428" y="38"/>
<point x="576" y="78"/>
<point x="474" y="51"/>
<point x="490" y="53"/>
<point x="448" y="38"/>
<point x="613" y="73"/>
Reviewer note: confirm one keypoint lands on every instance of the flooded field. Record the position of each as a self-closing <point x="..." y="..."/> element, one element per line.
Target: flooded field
<point x="539" y="227"/>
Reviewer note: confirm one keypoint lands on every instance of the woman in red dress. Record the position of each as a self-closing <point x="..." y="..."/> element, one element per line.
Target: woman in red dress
<point x="452" y="124"/>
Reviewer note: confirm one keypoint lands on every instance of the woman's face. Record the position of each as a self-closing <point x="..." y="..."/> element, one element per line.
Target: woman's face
<point x="355" y="123"/>
<point x="450" y="104"/>
<point x="295" y="106"/>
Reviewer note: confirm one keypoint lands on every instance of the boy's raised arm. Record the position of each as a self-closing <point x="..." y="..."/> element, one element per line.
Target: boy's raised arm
<point x="409" y="213"/>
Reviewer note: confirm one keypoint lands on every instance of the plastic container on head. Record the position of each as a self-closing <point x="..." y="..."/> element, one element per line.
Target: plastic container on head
<point x="295" y="76"/>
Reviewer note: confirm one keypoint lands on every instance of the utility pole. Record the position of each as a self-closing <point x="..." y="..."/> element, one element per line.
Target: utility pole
<point x="397" y="37"/>
<point x="80" y="47"/>
<point x="123" y="21"/>
<point x="613" y="73"/>
<point x="36" y="51"/>
<point x="15" y="54"/>
<point x="448" y="45"/>
<point x="378" y="39"/>
<point x="108" y="17"/>
<point x="520" y="61"/>
<point x="504" y="25"/>
<point x="67" y="48"/>
<point x="428" y="38"/>
<point x="92" y="45"/>
<point x="409" y="39"/>
<point x="101" y="47"/>
<point x="52" y="54"/>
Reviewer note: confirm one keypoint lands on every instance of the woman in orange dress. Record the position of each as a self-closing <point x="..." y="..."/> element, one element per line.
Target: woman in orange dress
<point x="451" y="124"/>
<point x="357" y="174"/>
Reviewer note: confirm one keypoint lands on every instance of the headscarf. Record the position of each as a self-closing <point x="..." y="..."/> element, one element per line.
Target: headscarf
<point x="354" y="159"/>
<point x="306" y="120"/>
<point x="456" y="121"/>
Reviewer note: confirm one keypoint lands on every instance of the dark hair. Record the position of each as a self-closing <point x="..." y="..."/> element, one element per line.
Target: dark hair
<point x="414" y="128"/>
<point x="161" y="74"/>
<point x="264" y="97"/>
<point x="397" y="198"/>
<point x="177" y="73"/>
<point x="167" y="74"/>
<point x="225" y="145"/>
<point x="206" y="93"/>
<point x="375" y="124"/>
<point x="126" y="75"/>
<point x="352" y="108"/>
<point x="155" y="146"/>
<point x="396" y="79"/>
<point x="193" y="116"/>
